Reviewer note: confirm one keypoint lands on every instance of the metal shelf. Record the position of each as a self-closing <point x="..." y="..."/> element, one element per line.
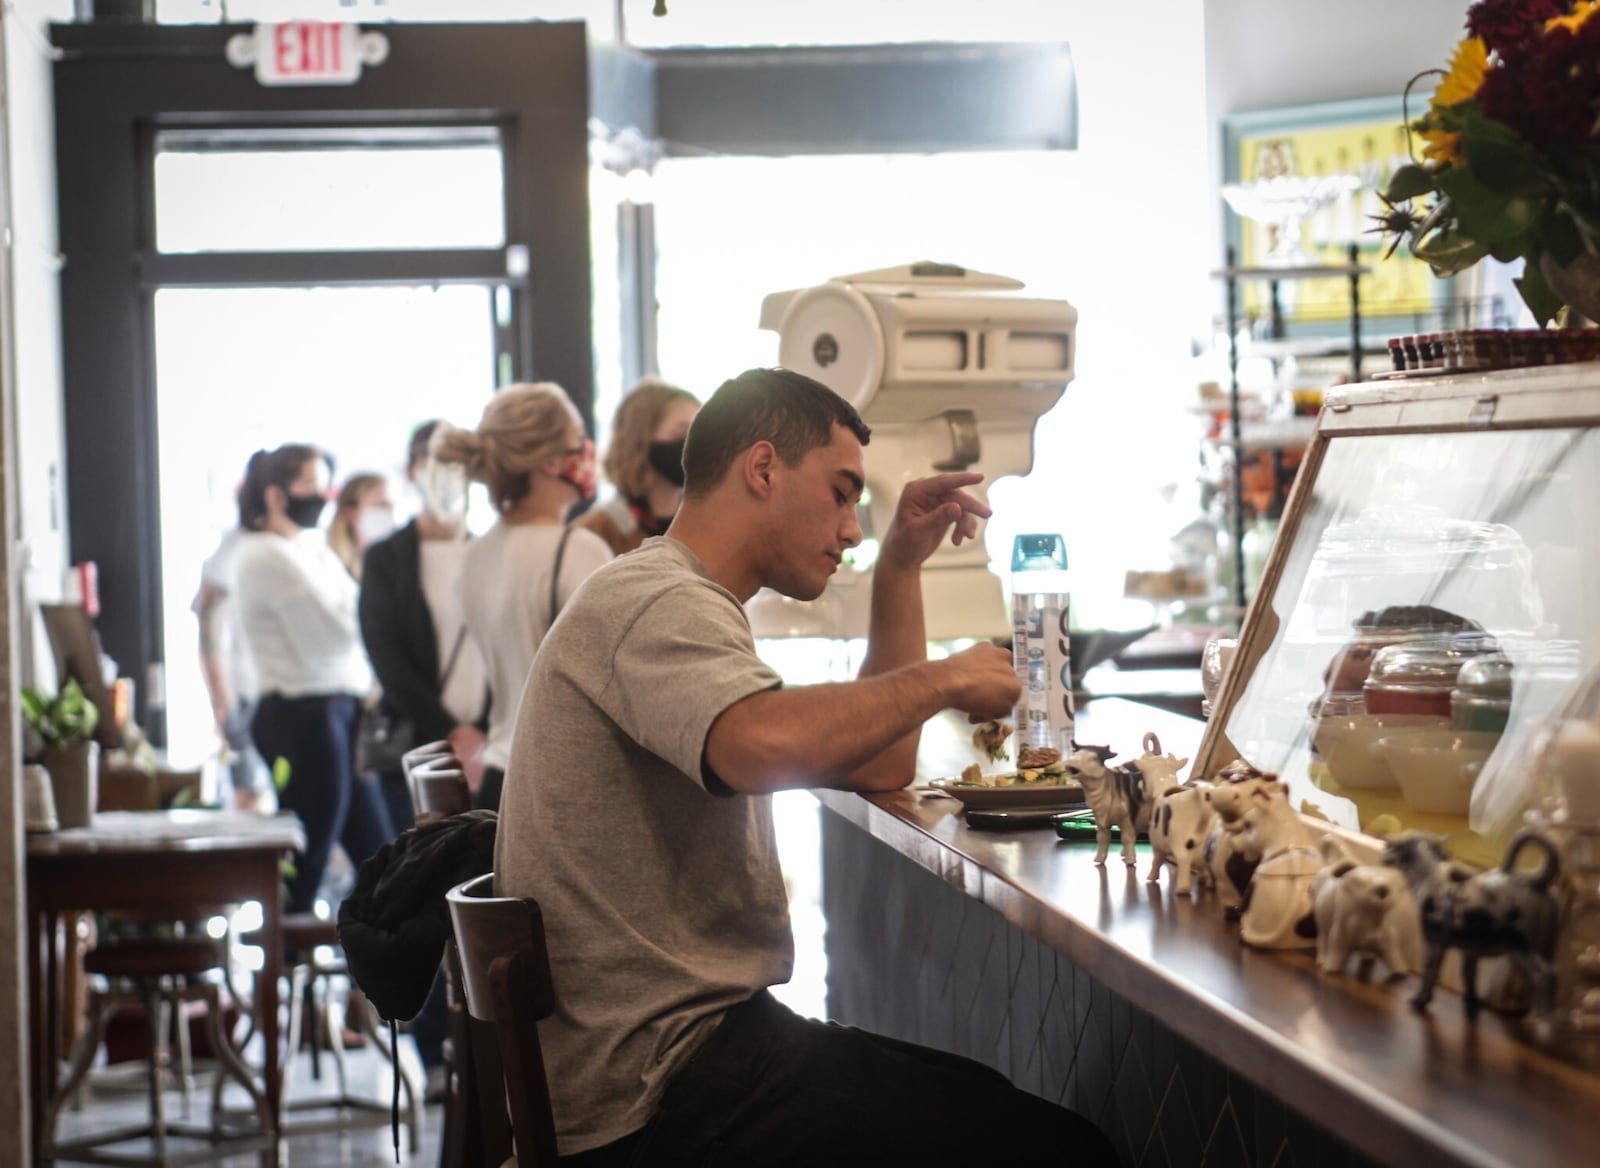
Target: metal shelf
<point x="1273" y="275"/>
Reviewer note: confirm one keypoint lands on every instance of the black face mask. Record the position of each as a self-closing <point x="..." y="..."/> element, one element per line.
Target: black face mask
<point x="305" y="510"/>
<point x="666" y="458"/>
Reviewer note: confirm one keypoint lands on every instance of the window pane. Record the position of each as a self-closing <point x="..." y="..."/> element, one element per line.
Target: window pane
<point x="281" y="196"/>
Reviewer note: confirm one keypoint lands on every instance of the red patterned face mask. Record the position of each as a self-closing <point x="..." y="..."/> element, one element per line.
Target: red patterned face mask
<point x="579" y="471"/>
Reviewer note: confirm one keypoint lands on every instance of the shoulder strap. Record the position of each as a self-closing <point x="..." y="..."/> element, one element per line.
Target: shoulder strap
<point x="555" y="575"/>
<point x="461" y="635"/>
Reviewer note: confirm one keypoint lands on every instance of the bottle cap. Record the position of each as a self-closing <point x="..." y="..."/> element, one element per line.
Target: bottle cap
<point x="1038" y="553"/>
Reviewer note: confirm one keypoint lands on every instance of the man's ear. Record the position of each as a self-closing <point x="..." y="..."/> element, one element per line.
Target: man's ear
<point x="759" y="463"/>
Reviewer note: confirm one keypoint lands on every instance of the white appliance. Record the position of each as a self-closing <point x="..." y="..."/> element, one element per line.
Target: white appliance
<point x="951" y="369"/>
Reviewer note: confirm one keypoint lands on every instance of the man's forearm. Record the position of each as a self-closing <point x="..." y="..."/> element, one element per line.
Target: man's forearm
<point x="837" y="735"/>
<point x="897" y="638"/>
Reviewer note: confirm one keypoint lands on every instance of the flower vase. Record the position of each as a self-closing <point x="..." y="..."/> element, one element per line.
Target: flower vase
<point x="74" y="778"/>
<point x="1578" y="285"/>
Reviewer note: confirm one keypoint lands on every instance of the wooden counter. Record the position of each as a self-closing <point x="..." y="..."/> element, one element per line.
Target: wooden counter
<point x="1333" y="1053"/>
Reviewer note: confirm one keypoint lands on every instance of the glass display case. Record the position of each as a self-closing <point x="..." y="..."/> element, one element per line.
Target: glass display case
<point x="1426" y="606"/>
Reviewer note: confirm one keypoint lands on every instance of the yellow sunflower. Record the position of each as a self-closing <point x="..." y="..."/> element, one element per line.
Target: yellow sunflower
<point x="1467" y="68"/>
<point x="1441" y="147"/>
<point x="1574" y="20"/>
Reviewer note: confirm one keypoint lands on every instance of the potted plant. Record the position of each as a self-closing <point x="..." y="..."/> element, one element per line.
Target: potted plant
<point x="61" y="736"/>
<point x="1511" y="157"/>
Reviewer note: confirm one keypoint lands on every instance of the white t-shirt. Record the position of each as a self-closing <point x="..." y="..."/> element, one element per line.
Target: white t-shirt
<point x="465" y="690"/>
<point x="297" y="607"/>
<point x="219" y="571"/>
<point x="505" y="593"/>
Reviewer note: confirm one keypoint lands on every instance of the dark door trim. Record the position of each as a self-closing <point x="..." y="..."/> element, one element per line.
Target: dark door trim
<point x="117" y="84"/>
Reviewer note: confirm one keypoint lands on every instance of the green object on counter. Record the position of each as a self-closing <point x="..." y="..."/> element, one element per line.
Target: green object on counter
<point x="1481" y="698"/>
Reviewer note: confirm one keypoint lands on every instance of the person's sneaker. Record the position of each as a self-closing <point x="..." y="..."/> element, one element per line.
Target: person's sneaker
<point x="438" y="1084"/>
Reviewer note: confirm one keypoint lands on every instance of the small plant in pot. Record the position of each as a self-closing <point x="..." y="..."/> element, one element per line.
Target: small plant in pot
<point x="60" y="735"/>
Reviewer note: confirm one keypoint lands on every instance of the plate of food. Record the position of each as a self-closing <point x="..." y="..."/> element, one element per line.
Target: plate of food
<point x="1039" y="780"/>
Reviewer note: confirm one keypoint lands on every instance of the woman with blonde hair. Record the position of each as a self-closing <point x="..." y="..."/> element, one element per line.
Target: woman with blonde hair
<point x="362" y="515"/>
<point x="644" y="464"/>
<point x="531" y="451"/>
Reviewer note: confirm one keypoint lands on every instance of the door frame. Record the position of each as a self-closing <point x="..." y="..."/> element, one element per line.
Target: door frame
<point x="117" y="85"/>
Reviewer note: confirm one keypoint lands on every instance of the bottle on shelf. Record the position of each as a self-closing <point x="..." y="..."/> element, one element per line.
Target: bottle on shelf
<point x="1040" y="607"/>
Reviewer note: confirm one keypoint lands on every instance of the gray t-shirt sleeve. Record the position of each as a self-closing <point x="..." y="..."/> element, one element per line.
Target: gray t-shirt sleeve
<point x="687" y="658"/>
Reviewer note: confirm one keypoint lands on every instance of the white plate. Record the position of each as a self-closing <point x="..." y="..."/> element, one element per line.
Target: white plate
<point x="1016" y="795"/>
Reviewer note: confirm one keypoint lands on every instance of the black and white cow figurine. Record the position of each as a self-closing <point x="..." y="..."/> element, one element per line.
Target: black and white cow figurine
<point x="1115" y="795"/>
<point x="1485" y="914"/>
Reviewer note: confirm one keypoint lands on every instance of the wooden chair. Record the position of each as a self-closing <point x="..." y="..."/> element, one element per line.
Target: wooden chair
<point x="439" y="788"/>
<point x="418" y="755"/>
<point x="506" y="971"/>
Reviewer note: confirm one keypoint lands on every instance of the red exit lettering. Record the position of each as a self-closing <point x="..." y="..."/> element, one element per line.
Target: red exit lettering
<point x="307" y="52"/>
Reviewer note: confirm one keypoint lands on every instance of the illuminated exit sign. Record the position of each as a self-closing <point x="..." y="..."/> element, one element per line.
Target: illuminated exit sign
<point x="306" y="52"/>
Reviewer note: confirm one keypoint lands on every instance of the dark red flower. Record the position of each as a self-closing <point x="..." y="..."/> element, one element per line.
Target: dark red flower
<point x="1549" y="92"/>
<point x="1505" y="24"/>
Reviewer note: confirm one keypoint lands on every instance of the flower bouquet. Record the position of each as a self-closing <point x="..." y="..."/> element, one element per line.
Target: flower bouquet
<point x="1511" y="155"/>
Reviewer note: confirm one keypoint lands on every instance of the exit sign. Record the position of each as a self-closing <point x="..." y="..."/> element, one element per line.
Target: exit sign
<point x="308" y="53"/>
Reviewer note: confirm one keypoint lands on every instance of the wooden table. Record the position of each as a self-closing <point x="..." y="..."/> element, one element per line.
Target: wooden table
<point x="160" y="861"/>
<point x="1399" y="1087"/>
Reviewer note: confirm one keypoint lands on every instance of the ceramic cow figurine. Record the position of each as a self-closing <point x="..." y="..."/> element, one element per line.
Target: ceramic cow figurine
<point x="1231" y="857"/>
<point x="1365" y="909"/>
<point x="1122" y="795"/>
<point x="1179" y="824"/>
<point x="1501" y="911"/>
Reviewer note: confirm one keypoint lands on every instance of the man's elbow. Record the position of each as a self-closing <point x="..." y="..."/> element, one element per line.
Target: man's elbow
<point x="751" y="755"/>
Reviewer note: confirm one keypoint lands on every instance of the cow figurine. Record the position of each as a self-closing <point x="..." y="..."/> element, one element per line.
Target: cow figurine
<point x="1277" y="909"/>
<point x="1122" y="795"/>
<point x="1230" y="858"/>
<point x="1179" y="824"/>
<point x="1485" y="914"/>
<point x="1365" y="909"/>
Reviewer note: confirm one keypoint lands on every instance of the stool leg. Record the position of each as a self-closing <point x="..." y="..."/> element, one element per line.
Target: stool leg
<point x="82" y="1055"/>
<point x="154" y="1002"/>
<point x="185" y="1049"/>
<point x="365" y="1021"/>
<point x="232" y="1064"/>
<point x="297" y="987"/>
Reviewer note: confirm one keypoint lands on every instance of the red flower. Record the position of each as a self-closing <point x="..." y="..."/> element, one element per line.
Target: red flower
<point x="1505" y="24"/>
<point x="1549" y="93"/>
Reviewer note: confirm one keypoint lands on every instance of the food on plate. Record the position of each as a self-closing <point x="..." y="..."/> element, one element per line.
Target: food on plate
<point x="1053" y="771"/>
<point x="1037" y="758"/>
<point x="990" y="737"/>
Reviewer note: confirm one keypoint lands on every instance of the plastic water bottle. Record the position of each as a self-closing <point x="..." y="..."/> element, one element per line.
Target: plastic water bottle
<point x="1040" y="602"/>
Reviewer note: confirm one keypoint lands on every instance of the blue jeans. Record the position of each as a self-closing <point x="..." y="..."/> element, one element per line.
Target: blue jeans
<point x="316" y="736"/>
<point x="774" y="1089"/>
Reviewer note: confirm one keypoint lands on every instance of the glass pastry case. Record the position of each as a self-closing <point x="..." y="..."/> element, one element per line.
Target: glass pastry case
<point x="1427" y="604"/>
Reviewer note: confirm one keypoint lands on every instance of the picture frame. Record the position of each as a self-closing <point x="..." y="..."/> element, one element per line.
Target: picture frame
<point x="1368" y="139"/>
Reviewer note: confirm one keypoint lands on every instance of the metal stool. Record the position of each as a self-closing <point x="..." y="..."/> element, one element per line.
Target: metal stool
<point x="155" y="973"/>
<point x="303" y="935"/>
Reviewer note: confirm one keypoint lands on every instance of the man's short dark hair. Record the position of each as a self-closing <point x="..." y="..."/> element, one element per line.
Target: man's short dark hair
<point x="780" y="406"/>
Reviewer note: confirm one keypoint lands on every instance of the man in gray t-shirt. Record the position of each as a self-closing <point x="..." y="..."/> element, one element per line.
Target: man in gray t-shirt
<point x="637" y="803"/>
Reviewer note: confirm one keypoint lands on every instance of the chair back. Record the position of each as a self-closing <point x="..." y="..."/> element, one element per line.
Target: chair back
<point x="424" y="753"/>
<point x="439" y="789"/>
<point x="506" y="974"/>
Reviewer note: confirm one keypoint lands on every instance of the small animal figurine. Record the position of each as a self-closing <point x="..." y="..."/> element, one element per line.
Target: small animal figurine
<point x="1231" y="858"/>
<point x="1501" y="911"/>
<point x="1277" y="910"/>
<point x="1115" y="795"/>
<point x="1160" y="771"/>
<point x="1179" y="824"/>
<point x="1364" y="909"/>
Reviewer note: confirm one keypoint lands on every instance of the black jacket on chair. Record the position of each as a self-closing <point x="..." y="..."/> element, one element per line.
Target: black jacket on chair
<point x="398" y="631"/>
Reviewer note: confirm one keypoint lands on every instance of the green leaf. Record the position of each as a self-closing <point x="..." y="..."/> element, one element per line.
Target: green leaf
<point x="1409" y="182"/>
<point x="280" y="773"/>
<point x="1483" y="214"/>
<point x="1449" y="252"/>
<point x="1560" y="236"/>
<point x="1500" y="159"/>
<point x="1536" y="292"/>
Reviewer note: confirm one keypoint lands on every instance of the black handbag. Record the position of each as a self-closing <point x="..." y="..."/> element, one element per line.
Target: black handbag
<point x="384" y="736"/>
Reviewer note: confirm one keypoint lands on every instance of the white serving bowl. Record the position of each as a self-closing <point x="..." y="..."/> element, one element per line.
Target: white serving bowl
<point x="1348" y="744"/>
<point x="1436" y="768"/>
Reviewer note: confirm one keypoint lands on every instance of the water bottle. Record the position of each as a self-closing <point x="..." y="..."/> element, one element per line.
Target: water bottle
<point x="1040" y="601"/>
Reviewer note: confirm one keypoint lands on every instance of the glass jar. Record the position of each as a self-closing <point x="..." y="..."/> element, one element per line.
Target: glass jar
<point x="1481" y="698"/>
<point x="1419" y="676"/>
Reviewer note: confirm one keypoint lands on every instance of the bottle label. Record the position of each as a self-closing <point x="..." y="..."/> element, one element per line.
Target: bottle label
<point x="1044" y="714"/>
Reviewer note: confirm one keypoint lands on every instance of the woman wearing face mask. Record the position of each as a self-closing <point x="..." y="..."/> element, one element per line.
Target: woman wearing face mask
<point x="297" y="609"/>
<point x="430" y="671"/>
<point x="644" y="464"/>
<point x="362" y="515"/>
<point x="531" y="451"/>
